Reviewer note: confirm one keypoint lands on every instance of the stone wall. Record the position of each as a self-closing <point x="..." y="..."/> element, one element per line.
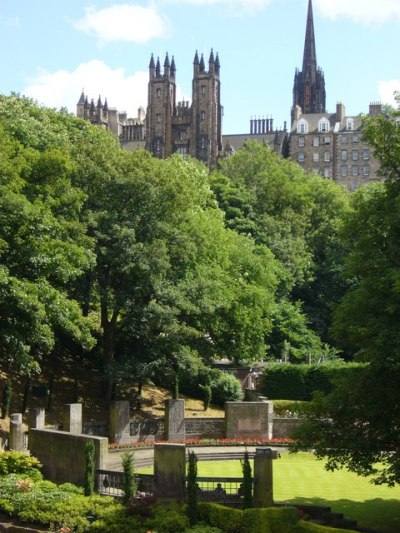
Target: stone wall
<point x="283" y="427"/>
<point x="147" y="429"/>
<point x="205" y="427"/>
<point x="63" y="454"/>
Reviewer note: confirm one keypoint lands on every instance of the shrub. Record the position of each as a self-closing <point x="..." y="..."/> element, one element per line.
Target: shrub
<point x="191" y="509"/>
<point x="167" y="521"/>
<point x="129" y="482"/>
<point x="247" y="484"/>
<point x="224" y="387"/>
<point x="228" y="519"/>
<point x="309" y="527"/>
<point x="202" y="528"/>
<point x="13" y="462"/>
<point x="271" y="520"/>
<point x="89" y="467"/>
<point x="301" y="382"/>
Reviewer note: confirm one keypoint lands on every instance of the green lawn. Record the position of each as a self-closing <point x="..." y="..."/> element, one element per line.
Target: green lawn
<point x="300" y="478"/>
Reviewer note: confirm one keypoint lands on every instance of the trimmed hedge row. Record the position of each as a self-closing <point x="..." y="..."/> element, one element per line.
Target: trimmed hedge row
<point x="300" y="382"/>
<point x="263" y="520"/>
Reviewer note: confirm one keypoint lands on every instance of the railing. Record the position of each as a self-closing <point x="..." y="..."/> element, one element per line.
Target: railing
<point x="226" y="490"/>
<point x="110" y="482"/>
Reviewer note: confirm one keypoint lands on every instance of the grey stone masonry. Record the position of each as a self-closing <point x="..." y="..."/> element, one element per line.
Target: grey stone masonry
<point x="169" y="470"/>
<point x="263" y="479"/>
<point x="120" y="421"/>
<point x="249" y="420"/>
<point x="72" y="421"/>
<point x="175" y="420"/>
<point x="16" y="440"/>
<point x="37" y="418"/>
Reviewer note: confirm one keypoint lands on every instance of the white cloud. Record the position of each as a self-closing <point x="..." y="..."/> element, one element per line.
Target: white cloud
<point x="63" y="88"/>
<point x="124" y="22"/>
<point x="365" y="11"/>
<point x="386" y="91"/>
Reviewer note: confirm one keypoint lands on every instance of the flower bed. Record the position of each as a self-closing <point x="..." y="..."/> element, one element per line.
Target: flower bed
<point x="205" y="442"/>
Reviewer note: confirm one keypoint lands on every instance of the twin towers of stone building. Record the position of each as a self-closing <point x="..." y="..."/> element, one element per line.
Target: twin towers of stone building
<point x="169" y="126"/>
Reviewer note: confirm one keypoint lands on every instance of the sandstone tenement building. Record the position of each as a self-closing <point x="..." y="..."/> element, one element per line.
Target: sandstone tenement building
<point x="329" y="144"/>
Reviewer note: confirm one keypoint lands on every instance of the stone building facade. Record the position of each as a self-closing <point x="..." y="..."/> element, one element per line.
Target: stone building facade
<point x="329" y="144"/>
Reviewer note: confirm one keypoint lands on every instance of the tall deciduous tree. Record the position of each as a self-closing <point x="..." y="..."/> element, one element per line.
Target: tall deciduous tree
<point x="358" y="425"/>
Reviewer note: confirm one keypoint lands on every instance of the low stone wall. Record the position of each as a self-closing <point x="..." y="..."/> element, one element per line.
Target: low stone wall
<point x="147" y="429"/>
<point x="283" y="427"/>
<point x="209" y="428"/>
<point x="63" y="454"/>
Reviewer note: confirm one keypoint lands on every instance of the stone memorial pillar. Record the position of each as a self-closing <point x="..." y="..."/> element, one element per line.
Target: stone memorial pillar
<point x="37" y="418"/>
<point x="73" y="418"/>
<point x="175" y="420"/>
<point x="16" y="439"/>
<point x="249" y="420"/>
<point x="120" y="421"/>
<point x="263" y="480"/>
<point x="169" y="471"/>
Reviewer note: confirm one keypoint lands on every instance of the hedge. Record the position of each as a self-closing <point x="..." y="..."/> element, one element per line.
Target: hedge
<point x="309" y="527"/>
<point x="300" y="382"/>
<point x="270" y="520"/>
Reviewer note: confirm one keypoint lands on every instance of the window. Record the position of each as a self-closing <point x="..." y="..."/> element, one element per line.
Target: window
<point x="202" y="143"/>
<point x="354" y="155"/>
<point x="327" y="156"/>
<point x="365" y="154"/>
<point x="301" y="157"/>
<point x="323" y="125"/>
<point x="302" y="126"/>
<point x="343" y="139"/>
<point x="301" y="142"/>
<point x="343" y="155"/>
<point x="158" y="118"/>
<point x="203" y="89"/>
<point x="356" y="138"/>
<point x="349" y="124"/>
<point x="327" y="172"/>
<point x="202" y="115"/>
<point x="158" y="92"/>
<point x="182" y="150"/>
<point x="343" y="171"/>
<point x="315" y="157"/>
<point x="327" y="140"/>
<point x="157" y="145"/>
<point x="315" y="141"/>
<point x="366" y="170"/>
<point x="182" y="135"/>
<point x="354" y="170"/>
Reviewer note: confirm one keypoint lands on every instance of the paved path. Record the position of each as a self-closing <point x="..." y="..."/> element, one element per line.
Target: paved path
<point x="144" y="456"/>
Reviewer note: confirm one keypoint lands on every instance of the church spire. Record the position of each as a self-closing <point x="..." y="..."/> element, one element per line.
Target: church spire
<point x="309" y="83"/>
<point x="310" y="55"/>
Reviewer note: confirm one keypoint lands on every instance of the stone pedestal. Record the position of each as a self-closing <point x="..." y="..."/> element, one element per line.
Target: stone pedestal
<point x="119" y="421"/>
<point x="37" y="418"/>
<point x="263" y="480"/>
<point x="175" y="420"/>
<point x="247" y="420"/>
<point x="16" y="439"/>
<point x="169" y="471"/>
<point x="73" y="418"/>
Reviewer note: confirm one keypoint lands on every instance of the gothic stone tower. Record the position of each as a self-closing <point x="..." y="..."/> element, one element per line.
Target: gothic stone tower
<point x="309" y="83"/>
<point x="194" y="130"/>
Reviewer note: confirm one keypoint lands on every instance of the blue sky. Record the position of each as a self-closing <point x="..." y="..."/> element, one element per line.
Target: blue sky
<point x="52" y="49"/>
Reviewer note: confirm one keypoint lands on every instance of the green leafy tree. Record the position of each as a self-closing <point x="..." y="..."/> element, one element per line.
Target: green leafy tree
<point x="357" y="425"/>
<point x="129" y="480"/>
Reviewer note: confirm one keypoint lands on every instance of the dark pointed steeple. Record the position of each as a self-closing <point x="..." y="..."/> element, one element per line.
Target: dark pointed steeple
<point x="196" y="59"/>
<point x="166" y="61"/>
<point x="202" y="65"/>
<point x="173" y="67"/>
<point x="151" y="64"/>
<point x="309" y="83"/>
<point x="310" y="54"/>
<point x="82" y="98"/>
<point x="211" y="59"/>
<point x="158" y="67"/>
